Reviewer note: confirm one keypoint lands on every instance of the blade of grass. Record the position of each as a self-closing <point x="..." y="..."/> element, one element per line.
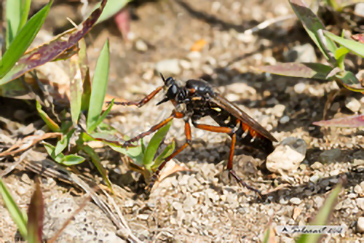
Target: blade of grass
<point x="105" y="113"/>
<point x="154" y="144"/>
<point x="302" y="70"/>
<point x="96" y="161"/>
<point x="50" y="123"/>
<point x="350" y="121"/>
<point x="111" y="8"/>
<point x="63" y="143"/>
<point x="23" y="40"/>
<point x="35" y="216"/>
<point x="19" y="218"/>
<point x="323" y="216"/>
<point x="25" y="7"/>
<point x="354" y="46"/>
<point x="166" y="152"/>
<point x="98" y="89"/>
<point x="312" y="25"/>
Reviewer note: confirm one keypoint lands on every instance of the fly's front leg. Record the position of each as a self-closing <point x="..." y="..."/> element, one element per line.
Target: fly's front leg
<point x="154" y="128"/>
<point x="141" y="102"/>
<point x="232" y="134"/>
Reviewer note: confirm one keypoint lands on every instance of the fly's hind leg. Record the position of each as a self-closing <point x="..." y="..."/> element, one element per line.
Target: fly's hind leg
<point x="232" y="133"/>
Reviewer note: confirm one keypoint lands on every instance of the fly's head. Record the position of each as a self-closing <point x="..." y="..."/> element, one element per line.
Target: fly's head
<point x="173" y="92"/>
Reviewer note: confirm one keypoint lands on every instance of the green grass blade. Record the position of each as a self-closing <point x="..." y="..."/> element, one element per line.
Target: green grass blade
<point x="13" y="18"/>
<point x="322" y="218"/>
<point x="302" y="70"/>
<point x="14" y="211"/>
<point x="105" y="113"/>
<point x="312" y="25"/>
<point x="96" y="161"/>
<point x="64" y="142"/>
<point x="50" y="123"/>
<point x="167" y="152"/>
<point x="23" y="40"/>
<point x="111" y="8"/>
<point x="98" y="90"/>
<point x="154" y="144"/>
<point x="24" y="13"/>
<point x="354" y="46"/>
<point x="72" y="159"/>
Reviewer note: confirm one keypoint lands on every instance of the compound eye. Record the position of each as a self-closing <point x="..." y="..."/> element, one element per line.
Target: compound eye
<point x="172" y="92"/>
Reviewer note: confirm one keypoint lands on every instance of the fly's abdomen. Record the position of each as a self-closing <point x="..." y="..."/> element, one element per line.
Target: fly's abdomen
<point x="248" y="136"/>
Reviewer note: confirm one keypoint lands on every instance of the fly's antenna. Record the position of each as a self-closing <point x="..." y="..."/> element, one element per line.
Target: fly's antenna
<point x="164" y="80"/>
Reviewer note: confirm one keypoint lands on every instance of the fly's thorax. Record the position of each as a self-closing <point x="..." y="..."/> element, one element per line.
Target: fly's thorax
<point x="181" y="107"/>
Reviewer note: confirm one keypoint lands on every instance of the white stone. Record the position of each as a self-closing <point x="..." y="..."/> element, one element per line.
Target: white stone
<point x="352" y="104"/>
<point x="360" y="225"/>
<point x="299" y="88"/>
<point x="284" y="120"/>
<point x="287" y="156"/>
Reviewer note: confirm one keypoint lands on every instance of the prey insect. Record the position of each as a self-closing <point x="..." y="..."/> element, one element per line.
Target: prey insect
<point x="197" y="99"/>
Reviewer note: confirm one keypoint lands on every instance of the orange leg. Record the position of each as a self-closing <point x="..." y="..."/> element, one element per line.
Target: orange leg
<point x="154" y="128"/>
<point x="141" y="102"/>
<point x="161" y="166"/>
<point x="231" y="132"/>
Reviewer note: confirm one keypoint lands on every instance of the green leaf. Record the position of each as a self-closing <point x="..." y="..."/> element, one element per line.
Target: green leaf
<point x="19" y="218"/>
<point x="354" y="46"/>
<point x="166" y="152"/>
<point x="35" y="216"/>
<point x="64" y="142"/>
<point x="349" y="80"/>
<point x="98" y="90"/>
<point x="302" y="70"/>
<point x="72" y="159"/>
<point x="111" y="8"/>
<point x="105" y="113"/>
<point x="322" y="217"/>
<point x="24" y="13"/>
<point x="312" y="25"/>
<point x="340" y="56"/>
<point x="350" y="121"/>
<point x="154" y="144"/>
<point x="23" y="40"/>
<point x="51" y="151"/>
<point x="96" y="161"/>
<point x="16" y="16"/>
<point x="50" y="123"/>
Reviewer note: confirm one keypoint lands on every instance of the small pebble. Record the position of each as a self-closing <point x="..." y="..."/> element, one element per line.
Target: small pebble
<point x="330" y="156"/>
<point x="141" y="46"/>
<point x="143" y="216"/>
<point x="360" y="225"/>
<point x="287" y="156"/>
<point x="299" y="88"/>
<point x="284" y="120"/>
<point x="360" y="203"/>
<point x="358" y="189"/>
<point x="278" y="110"/>
<point x="295" y="200"/>
<point x="352" y="104"/>
<point x="359" y="9"/>
<point x="317" y="165"/>
<point x="314" y="178"/>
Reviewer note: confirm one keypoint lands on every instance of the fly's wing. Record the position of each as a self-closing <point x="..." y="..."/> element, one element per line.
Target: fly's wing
<point x="241" y="115"/>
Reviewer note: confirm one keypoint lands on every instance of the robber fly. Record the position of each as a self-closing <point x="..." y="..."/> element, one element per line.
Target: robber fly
<point x="196" y="99"/>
